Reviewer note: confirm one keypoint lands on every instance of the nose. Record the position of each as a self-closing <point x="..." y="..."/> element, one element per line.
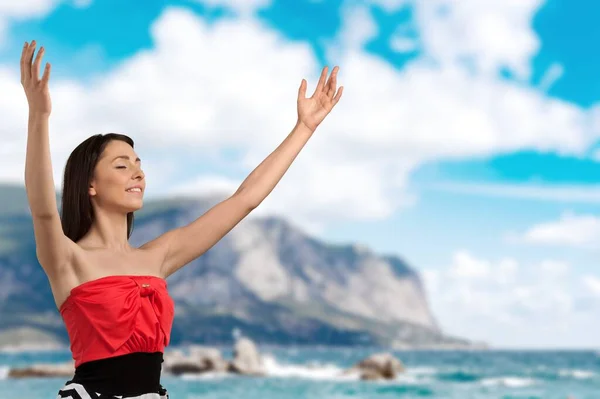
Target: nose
<point x="138" y="174"/>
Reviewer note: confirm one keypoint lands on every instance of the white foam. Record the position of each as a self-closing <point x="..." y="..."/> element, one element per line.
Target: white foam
<point x="204" y="376"/>
<point x="313" y="371"/>
<point x="511" y="382"/>
<point x="4" y="372"/>
<point x="577" y="374"/>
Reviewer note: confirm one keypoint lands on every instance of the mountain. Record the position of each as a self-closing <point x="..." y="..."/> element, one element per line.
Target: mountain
<point x="266" y="278"/>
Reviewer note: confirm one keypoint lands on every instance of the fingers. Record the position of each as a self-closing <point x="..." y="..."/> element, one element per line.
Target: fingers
<point x="31" y="72"/>
<point x="327" y="87"/>
<point x="23" y="63"/>
<point x="338" y="95"/>
<point x="35" y="70"/>
<point x="29" y="59"/>
<point x="332" y="82"/>
<point x="302" y="90"/>
<point x="46" y="76"/>
<point x="26" y="59"/>
<point x="321" y="83"/>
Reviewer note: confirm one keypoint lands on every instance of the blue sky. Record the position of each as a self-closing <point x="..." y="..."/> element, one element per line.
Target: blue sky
<point x="467" y="141"/>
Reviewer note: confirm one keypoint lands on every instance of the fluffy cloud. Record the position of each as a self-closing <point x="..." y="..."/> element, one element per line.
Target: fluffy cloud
<point x="488" y="35"/>
<point x="230" y="87"/>
<point x="483" y="299"/>
<point x="581" y="231"/>
<point x="22" y="9"/>
<point x="592" y="284"/>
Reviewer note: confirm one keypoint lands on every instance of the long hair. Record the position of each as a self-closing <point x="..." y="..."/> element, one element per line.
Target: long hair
<point x="77" y="214"/>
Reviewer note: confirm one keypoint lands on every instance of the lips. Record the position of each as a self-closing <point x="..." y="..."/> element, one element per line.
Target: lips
<point x="135" y="190"/>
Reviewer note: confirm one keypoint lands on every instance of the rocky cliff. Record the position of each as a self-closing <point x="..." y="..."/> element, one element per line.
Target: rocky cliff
<point x="266" y="278"/>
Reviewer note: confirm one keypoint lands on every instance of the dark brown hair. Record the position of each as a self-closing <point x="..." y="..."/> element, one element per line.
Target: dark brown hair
<point x="77" y="213"/>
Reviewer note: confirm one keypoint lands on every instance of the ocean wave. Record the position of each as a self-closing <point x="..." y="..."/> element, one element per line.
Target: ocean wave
<point x="458" y="376"/>
<point x="313" y="371"/>
<point x="510" y="382"/>
<point x="204" y="376"/>
<point x="577" y="374"/>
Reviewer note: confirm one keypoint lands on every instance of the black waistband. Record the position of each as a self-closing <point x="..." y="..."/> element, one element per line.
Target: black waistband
<point x="129" y="375"/>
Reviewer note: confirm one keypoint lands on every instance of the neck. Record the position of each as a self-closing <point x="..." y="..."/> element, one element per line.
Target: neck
<point x="108" y="231"/>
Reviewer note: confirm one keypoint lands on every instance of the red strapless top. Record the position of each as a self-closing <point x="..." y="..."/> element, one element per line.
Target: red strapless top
<point x="117" y="315"/>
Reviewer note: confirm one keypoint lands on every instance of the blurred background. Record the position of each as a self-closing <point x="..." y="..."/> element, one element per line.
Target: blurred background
<point x="447" y="212"/>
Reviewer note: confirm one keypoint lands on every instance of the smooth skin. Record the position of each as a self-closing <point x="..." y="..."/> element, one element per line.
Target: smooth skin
<point x="105" y="250"/>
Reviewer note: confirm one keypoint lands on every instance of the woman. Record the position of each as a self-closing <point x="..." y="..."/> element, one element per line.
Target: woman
<point x="112" y="297"/>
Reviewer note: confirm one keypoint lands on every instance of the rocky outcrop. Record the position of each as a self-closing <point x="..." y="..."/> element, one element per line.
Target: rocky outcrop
<point x="266" y="277"/>
<point x="247" y="359"/>
<point x="378" y="366"/>
<point x="199" y="360"/>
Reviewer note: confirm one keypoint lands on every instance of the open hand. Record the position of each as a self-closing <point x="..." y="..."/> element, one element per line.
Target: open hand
<point x="36" y="89"/>
<point x="312" y="110"/>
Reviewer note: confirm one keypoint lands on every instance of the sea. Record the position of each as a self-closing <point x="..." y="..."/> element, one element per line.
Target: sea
<point x="318" y="372"/>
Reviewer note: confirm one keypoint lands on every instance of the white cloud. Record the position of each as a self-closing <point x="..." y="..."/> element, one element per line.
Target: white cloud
<point x="581" y="231"/>
<point x="514" y="304"/>
<point x="26" y="8"/>
<point x="466" y="266"/>
<point x="207" y="186"/>
<point x="554" y="193"/>
<point x="22" y="9"/>
<point x="490" y="34"/>
<point x="553" y="268"/>
<point x="592" y="284"/>
<point x="358" y="27"/>
<point x="232" y="84"/>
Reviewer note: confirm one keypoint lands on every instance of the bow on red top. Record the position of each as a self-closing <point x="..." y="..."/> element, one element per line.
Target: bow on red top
<point x="116" y="315"/>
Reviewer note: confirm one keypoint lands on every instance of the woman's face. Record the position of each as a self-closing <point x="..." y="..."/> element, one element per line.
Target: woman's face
<point x="119" y="182"/>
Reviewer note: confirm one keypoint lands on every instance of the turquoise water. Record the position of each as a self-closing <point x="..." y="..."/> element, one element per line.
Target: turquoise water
<point x="316" y="373"/>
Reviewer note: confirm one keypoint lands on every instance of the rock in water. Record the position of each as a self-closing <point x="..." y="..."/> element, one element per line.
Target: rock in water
<point x="247" y="360"/>
<point x="378" y="366"/>
<point x="210" y="359"/>
<point x="43" y="370"/>
<point x="200" y="360"/>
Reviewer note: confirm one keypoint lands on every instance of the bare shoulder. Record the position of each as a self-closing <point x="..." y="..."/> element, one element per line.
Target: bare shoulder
<point x="159" y="244"/>
<point x="157" y="249"/>
<point x="87" y="265"/>
<point x="149" y="258"/>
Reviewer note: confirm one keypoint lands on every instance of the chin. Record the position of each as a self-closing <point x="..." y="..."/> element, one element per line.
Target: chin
<point x="132" y="207"/>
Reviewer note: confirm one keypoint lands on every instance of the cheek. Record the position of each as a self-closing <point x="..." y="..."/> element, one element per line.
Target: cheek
<point x="111" y="183"/>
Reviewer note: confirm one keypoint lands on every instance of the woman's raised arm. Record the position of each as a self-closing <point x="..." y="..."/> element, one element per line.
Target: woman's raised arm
<point x="53" y="248"/>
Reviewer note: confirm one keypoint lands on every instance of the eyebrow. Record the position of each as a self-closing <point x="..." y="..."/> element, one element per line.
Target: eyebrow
<point x="125" y="157"/>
